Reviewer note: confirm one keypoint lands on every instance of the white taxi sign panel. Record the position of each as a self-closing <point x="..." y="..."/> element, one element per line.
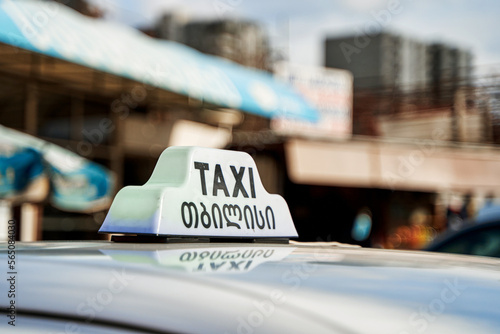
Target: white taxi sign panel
<point x="201" y="192"/>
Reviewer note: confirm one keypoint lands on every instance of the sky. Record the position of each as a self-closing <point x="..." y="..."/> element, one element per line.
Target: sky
<point x="298" y="28"/>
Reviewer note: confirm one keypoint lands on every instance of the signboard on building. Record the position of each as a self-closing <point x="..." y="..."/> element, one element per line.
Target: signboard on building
<point x="328" y="90"/>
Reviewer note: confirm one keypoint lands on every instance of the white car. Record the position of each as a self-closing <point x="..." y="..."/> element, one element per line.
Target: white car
<point x="172" y="271"/>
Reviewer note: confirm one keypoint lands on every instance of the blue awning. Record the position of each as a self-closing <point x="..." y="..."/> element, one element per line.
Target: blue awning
<point x="77" y="184"/>
<point x="19" y="166"/>
<point x="55" y="30"/>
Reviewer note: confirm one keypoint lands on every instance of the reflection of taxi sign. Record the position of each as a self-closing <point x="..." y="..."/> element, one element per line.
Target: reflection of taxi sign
<point x="201" y="192"/>
<point x="231" y="260"/>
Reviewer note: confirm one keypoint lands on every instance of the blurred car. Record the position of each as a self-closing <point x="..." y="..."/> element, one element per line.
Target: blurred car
<point x="473" y="238"/>
<point x="488" y="213"/>
<point x="203" y="248"/>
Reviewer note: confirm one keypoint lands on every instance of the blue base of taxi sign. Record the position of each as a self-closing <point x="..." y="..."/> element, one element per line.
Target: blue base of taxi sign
<point x="201" y="192"/>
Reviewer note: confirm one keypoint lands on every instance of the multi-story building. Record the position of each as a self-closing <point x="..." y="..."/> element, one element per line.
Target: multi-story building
<point x="396" y="75"/>
<point x="449" y="69"/>
<point x="171" y="26"/>
<point x="383" y="60"/>
<point x="389" y="61"/>
<point x="243" y="42"/>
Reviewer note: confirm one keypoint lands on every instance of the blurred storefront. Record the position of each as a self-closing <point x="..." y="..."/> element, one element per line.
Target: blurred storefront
<point x="120" y="101"/>
<point x="329" y="183"/>
<point x="118" y="97"/>
<point x="417" y="175"/>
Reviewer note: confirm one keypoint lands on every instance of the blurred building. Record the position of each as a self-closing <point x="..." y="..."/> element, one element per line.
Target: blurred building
<point x="124" y="123"/>
<point x="383" y="60"/>
<point x="420" y="98"/>
<point x="397" y="65"/>
<point x="108" y="106"/>
<point x="170" y="26"/>
<point x="243" y="42"/>
<point x="449" y="69"/>
<point x="404" y="88"/>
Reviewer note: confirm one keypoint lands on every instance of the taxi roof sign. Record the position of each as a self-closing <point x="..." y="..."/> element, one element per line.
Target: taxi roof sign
<point x="201" y="192"/>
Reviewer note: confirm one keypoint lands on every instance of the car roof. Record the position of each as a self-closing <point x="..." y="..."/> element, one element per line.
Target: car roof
<point x="246" y="287"/>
